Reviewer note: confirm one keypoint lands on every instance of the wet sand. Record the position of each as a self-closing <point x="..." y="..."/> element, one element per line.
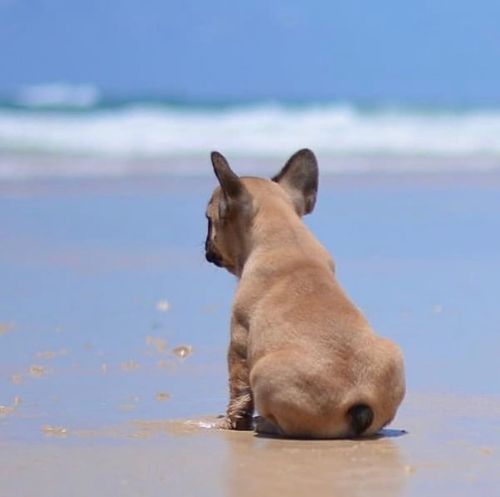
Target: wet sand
<point x="451" y="446"/>
<point x="112" y="327"/>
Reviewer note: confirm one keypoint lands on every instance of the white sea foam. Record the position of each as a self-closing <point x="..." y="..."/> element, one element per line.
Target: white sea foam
<point x="344" y="137"/>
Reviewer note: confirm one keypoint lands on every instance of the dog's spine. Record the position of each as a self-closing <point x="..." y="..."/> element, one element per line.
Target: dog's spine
<point x="361" y="417"/>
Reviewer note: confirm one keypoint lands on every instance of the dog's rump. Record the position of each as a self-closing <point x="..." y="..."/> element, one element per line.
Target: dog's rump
<point x="293" y="393"/>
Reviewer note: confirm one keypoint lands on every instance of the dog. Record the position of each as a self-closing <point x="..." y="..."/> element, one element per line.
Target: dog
<point x="300" y="352"/>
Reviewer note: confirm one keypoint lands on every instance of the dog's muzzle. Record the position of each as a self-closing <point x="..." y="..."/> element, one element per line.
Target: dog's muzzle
<point x="212" y="256"/>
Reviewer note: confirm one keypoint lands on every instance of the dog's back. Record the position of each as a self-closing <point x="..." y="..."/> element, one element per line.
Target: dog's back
<point x="317" y="369"/>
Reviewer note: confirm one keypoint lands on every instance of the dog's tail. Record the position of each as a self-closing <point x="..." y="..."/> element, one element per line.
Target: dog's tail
<point x="361" y="417"/>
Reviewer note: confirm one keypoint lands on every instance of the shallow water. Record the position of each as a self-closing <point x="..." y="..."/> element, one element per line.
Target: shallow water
<point x="102" y="281"/>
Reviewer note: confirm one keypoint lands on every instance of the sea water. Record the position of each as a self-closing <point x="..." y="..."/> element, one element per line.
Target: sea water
<point x="61" y="130"/>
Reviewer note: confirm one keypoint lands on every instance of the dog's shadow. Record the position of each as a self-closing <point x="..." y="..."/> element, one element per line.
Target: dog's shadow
<point x="390" y="433"/>
<point x="382" y="434"/>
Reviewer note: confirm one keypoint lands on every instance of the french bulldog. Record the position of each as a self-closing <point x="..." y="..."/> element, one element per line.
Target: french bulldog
<point x="301" y="353"/>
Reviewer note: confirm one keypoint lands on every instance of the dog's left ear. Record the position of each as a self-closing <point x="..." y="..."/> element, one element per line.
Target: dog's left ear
<point x="299" y="177"/>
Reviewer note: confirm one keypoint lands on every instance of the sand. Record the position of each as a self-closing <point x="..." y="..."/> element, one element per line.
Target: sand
<point x="450" y="446"/>
<point x="113" y="333"/>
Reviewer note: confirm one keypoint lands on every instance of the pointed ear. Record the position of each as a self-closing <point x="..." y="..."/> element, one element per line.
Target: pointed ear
<point x="230" y="183"/>
<point x="299" y="177"/>
<point x="235" y="195"/>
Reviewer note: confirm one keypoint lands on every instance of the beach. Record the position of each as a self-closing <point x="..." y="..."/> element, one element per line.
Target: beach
<point x="114" y="328"/>
<point x="113" y="334"/>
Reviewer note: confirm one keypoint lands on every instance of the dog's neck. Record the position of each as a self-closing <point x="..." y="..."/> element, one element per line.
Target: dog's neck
<point x="277" y="228"/>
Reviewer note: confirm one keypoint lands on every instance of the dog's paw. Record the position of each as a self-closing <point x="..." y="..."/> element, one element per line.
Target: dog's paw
<point x="243" y="423"/>
<point x="265" y="427"/>
<point x="224" y="423"/>
<point x="239" y="423"/>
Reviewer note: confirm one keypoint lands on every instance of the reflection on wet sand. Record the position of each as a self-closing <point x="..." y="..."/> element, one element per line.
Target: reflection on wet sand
<point x="440" y="455"/>
<point x="244" y="464"/>
<point x="270" y="467"/>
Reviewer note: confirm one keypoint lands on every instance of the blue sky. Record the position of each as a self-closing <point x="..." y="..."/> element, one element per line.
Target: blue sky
<point x="440" y="50"/>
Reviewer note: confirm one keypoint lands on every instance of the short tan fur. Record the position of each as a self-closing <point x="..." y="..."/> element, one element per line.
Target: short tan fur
<point x="301" y="352"/>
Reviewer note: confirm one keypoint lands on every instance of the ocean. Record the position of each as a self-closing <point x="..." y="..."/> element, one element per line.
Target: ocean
<point x="59" y="130"/>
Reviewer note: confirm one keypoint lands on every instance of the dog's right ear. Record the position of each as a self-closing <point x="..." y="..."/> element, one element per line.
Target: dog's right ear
<point x="231" y="185"/>
<point x="299" y="177"/>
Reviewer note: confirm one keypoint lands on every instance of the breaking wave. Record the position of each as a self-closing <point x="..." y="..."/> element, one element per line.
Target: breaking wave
<point x="71" y="126"/>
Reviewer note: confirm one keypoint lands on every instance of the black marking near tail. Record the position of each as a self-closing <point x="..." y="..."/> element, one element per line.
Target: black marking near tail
<point x="361" y="417"/>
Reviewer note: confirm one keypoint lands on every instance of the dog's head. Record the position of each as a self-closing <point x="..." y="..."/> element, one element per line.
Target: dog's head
<point x="235" y="203"/>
